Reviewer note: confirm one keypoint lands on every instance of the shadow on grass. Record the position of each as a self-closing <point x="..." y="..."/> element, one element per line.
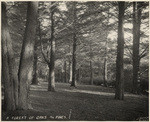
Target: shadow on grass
<point x="81" y="104"/>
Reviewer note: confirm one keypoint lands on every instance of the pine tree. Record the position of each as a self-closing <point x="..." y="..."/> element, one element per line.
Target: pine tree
<point x="119" y="94"/>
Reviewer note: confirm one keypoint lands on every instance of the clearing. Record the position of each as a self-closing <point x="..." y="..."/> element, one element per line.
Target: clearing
<point x="82" y="103"/>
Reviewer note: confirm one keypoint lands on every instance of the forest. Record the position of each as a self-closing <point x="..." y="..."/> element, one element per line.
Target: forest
<point x="75" y="60"/>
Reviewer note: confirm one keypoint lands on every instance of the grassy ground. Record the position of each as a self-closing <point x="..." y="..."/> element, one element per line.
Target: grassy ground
<point x="83" y="103"/>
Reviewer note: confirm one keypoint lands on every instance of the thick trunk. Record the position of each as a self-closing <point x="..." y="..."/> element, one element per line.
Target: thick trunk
<point x="35" y="80"/>
<point x="51" y="83"/>
<point x="119" y="93"/>
<point x="9" y="75"/>
<point x="51" y="79"/>
<point x="136" y="41"/>
<point x="27" y="56"/>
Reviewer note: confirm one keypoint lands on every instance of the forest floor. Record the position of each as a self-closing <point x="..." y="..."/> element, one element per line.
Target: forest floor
<point x="85" y="102"/>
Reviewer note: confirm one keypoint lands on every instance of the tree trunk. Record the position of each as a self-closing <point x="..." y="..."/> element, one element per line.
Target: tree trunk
<point x="99" y="67"/>
<point x="51" y="83"/>
<point x="73" y="83"/>
<point x="91" y="67"/>
<point x="91" y="73"/>
<point x="27" y="56"/>
<point x="70" y="72"/>
<point x="119" y="93"/>
<point x="70" y="66"/>
<point x="59" y="76"/>
<point x="136" y="40"/>
<point x="65" y="72"/>
<point x="105" y="71"/>
<point x="62" y="74"/>
<point x="79" y="75"/>
<point x="9" y="74"/>
<point x="74" y="62"/>
<point x="105" y="63"/>
<point x="106" y="51"/>
<point x="35" y="80"/>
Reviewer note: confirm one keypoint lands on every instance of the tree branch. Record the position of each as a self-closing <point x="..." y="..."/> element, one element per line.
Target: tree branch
<point x="144" y="53"/>
<point x="143" y="72"/>
<point x="128" y="50"/>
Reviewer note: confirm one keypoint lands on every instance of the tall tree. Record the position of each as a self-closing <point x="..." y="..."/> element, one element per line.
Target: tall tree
<point x="106" y="52"/>
<point x="119" y="93"/>
<point x="137" y="10"/>
<point x="51" y="81"/>
<point x="49" y="57"/>
<point x="27" y="56"/>
<point x="74" y="47"/>
<point x="9" y="75"/>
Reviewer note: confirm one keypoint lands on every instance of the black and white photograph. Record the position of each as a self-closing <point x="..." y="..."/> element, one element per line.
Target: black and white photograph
<point x="75" y="60"/>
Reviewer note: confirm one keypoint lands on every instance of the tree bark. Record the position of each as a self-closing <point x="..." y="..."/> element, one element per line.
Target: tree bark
<point x="91" y="73"/>
<point x="35" y="80"/>
<point x="105" y="71"/>
<point x="79" y="75"/>
<point x="59" y="76"/>
<point x="91" y="67"/>
<point x="73" y="83"/>
<point x="99" y="67"/>
<point x="106" y="52"/>
<point x="51" y="82"/>
<point x="62" y="74"/>
<point x="70" y="72"/>
<point x="70" y="66"/>
<point x="74" y="62"/>
<point x="119" y="93"/>
<point x="65" y="72"/>
<point x="105" y="63"/>
<point x="136" y="41"/>
<point x="27" y="56"/>
<point x="9" y="75"/>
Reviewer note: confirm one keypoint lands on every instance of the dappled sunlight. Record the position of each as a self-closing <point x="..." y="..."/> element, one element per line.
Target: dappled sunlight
<point x="99" y="93"/>
<point x="39" y="109"/>
<point x="38" y="96"/>
<point x="89" y="92"/>
<point x="75" y="60"/>
<point x="37" y="89"/>
<point x="90" y="89"/>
